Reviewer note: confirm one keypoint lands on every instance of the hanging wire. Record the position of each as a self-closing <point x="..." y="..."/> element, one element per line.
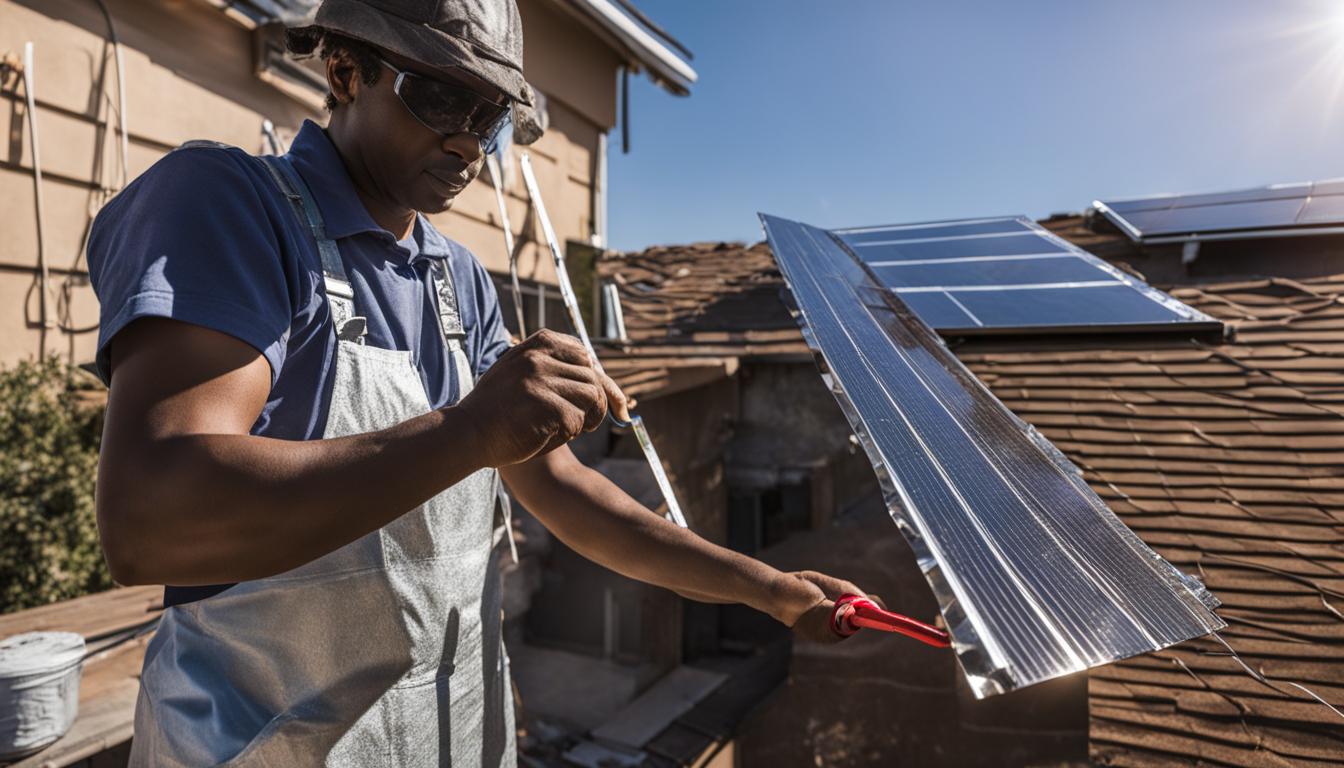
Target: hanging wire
<point x="121" y="94"/>
<point x="65" y="292"/>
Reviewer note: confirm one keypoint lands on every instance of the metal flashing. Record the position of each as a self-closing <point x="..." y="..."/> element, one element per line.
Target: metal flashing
<point x="1035" y="576"/>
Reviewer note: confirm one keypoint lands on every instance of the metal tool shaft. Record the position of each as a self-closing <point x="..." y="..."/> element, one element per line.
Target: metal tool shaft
<point x="496" y="178"/>
<point x="576" y="318"/>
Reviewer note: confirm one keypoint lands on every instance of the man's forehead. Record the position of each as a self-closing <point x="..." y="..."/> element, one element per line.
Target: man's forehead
<point x="453" y="75"/>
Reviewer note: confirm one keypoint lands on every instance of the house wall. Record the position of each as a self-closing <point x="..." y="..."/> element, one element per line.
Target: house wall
<point x="190" y="75"/>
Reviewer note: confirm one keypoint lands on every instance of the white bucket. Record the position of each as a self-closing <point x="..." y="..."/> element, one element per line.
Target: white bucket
<point x="39" y="689"/>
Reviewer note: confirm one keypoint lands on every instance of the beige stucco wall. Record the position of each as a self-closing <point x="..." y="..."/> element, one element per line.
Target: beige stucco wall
<point x="189" y="74"/>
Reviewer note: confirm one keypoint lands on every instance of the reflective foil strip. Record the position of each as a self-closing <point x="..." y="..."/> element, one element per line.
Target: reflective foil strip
<point x="1035" y="577"/>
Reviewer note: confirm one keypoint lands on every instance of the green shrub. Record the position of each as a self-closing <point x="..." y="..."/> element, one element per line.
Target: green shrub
<point x="51" y="417"/>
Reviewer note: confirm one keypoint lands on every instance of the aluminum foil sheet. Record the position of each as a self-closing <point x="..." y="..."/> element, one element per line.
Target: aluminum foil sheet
<point x="1035" y="576"/>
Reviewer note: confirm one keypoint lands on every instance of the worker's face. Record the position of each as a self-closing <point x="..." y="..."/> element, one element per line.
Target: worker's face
<point x="409" y="164"/>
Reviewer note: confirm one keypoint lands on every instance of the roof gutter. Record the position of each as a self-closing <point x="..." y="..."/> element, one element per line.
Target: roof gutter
<point x="642" y="49"/>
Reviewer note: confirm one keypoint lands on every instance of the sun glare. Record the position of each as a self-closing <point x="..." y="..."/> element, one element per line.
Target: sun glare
<point x="1316" y="39"/>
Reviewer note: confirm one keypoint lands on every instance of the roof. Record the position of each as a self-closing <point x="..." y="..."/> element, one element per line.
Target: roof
<point x="702" y="307"/>
<point x="638" y="41"/>
<point x="1227" y="458"/>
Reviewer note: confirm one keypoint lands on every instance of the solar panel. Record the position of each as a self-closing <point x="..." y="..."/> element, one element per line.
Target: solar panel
<point x="1011" y="275"/>
<point x="1035" y="577"/>
<point x="1310" y="208"/>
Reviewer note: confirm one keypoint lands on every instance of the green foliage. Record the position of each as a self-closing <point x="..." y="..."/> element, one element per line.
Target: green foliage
<point x="581" y="258"/>
<point x="50" y="422"/>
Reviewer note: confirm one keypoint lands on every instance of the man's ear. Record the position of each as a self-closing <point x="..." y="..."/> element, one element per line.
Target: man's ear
<point x="342" y="77"/>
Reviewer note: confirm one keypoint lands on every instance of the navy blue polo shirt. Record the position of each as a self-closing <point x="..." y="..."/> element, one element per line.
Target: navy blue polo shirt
<point x="205" y="237"/>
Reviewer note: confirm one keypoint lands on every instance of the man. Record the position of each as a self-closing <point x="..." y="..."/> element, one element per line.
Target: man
<point x="312" y="402"/>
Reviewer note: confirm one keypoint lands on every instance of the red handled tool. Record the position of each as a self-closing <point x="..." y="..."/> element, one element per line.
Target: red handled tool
<point x="852" y="613"/>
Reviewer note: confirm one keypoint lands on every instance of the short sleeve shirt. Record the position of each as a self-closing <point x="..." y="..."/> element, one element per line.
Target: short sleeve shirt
<point x="206" y="237"/>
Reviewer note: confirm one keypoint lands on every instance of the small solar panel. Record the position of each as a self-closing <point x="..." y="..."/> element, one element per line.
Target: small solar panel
<point x="1309" y="208"/>
<point x="1011" y="275"/>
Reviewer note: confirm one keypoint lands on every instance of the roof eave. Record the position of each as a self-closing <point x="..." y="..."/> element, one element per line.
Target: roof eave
<point x="638" y="47"/>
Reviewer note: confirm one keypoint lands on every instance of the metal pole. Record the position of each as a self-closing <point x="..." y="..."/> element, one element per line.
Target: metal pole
<point x="44" y="278"/>
<point x="636" y="423"/>
<point x="498" y="183"/>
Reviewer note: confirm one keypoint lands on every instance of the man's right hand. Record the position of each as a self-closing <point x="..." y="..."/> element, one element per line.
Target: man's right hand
<point x="537" y="397"/>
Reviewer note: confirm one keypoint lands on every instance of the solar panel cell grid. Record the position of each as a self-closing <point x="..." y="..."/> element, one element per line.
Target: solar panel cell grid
<point x="940" y="310"/>
<point x="1010" y="275"/>
<point x="935" y="229"/>
<point x="1003" y="272"/>
<point x="876" y="251"/>
<point x="1281" y="210"/>
<point x="1322" y="209"/>
<point x="1084" y="306"/>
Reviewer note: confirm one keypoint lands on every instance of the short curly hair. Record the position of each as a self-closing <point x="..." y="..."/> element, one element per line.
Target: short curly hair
<point x="304" y="41"/>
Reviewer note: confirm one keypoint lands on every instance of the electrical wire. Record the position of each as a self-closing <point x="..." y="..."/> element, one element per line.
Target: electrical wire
<point x="65" y="292"/>
<point x="121" y="93"/>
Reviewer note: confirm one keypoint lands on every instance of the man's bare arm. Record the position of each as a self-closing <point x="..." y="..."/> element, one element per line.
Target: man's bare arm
<point x="595" y="518"/>
<point x="186" y="496"/>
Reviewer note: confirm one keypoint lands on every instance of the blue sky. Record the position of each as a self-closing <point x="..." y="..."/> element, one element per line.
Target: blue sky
<point x="852" y="113"/>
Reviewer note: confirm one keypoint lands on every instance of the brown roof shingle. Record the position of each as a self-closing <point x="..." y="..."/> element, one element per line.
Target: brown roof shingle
<point x="1229" y="460"/>
<point x="700" y="305"/>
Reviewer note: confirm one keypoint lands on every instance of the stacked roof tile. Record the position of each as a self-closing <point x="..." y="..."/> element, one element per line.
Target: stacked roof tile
<point x="705" y="305"/>
<point x="1227" y="458"/>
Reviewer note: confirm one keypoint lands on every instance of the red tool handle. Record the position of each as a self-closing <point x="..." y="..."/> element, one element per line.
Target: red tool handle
<point x="853" y="612"/>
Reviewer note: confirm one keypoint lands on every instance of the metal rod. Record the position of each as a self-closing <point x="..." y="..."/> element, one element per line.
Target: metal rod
<point x="44" y="279"/>
<point x="495" y="170"/>
<point x="272" y="138"/>
<point x="625" y="110"/>
<point x="572" y="305"/>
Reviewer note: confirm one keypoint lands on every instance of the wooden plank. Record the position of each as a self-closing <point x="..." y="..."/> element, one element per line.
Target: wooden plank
<point x="110" y="681"/>
<point x="92" y="616"/>
<point x="655" y="709"/>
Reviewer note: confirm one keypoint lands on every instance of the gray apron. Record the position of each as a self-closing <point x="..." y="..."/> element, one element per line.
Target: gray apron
<point x="386" y="652"/>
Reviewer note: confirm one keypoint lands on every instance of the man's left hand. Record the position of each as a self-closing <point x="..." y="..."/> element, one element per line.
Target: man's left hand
<point x="815" y="623"/>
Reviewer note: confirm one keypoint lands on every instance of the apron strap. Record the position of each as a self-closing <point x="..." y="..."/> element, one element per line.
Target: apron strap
<point x="450" y="324"/>
<point x="339" y="293"/>
<point x="450" y="320"/>
<point x="289" y="181"/>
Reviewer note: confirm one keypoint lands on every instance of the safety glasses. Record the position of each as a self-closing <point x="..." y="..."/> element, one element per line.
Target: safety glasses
<point x="450" y="109"/>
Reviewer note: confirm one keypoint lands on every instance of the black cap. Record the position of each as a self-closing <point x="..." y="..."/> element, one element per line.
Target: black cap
<point x="483" y="37"/>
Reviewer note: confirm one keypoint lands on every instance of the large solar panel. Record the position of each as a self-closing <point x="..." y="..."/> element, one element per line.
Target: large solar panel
<point x="1011" y="275"/>
<point x="1035" y="577"/>
<point x="1308" y="208"/>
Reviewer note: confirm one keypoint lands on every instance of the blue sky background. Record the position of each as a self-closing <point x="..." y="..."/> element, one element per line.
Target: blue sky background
<point x="852" y="113"/>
